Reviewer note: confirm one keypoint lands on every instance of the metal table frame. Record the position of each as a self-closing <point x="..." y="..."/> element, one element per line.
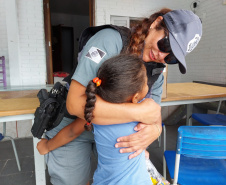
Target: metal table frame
<point x="189" y="104"/>
<point x="38" y="159"/>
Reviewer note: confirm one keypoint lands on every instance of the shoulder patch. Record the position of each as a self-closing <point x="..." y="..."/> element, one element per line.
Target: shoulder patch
<point x="95" y="54"/>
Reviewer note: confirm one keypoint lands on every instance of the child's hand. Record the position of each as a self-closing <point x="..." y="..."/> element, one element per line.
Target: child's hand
<point x="42" y="146"/>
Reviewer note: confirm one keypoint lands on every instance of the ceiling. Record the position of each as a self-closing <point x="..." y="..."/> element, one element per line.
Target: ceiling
<point x="75" y="7"/>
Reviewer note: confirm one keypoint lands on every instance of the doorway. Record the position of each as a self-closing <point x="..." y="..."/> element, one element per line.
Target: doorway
<point x="64" y="22"/>
<point x="62" y="48"/>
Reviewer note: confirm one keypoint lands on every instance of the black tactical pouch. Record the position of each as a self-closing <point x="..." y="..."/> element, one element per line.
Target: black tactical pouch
<point x="51" y="111"/>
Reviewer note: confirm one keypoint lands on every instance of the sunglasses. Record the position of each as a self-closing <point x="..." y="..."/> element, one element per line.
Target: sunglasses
<point x="164" y="46"/>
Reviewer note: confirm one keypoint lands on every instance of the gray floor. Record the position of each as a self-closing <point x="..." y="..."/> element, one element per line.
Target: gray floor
<point x="9" y="174"/>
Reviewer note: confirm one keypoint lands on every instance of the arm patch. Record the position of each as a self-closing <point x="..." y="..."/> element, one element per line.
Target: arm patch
<point x="95" y="54"/>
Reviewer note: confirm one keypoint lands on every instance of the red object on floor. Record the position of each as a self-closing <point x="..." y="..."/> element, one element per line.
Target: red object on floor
<point x="60" y="74"/>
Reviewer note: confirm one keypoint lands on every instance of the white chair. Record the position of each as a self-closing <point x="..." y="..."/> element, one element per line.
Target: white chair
<point x="2" y="136"/>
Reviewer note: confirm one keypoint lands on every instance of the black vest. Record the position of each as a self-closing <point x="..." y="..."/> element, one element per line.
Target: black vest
<point x="153" y="69"/>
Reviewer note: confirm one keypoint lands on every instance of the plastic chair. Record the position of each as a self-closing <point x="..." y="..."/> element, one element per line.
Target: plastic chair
<point x="2" y="136"/>
<point x="211" y="119"/>
<point x="3" y="71"/>
<point x="199" y="157"/>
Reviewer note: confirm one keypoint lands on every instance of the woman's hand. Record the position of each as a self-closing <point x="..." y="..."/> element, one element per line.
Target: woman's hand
<point x="149" y="112"/>
<point x="140" y="140"/>
<point x="42" y="146"/>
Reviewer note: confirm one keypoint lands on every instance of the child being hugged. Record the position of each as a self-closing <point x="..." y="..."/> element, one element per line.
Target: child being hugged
<point x="120" y="79"/>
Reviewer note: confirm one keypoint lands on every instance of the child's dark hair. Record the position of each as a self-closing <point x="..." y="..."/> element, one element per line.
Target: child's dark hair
<point x="121" y="77"/>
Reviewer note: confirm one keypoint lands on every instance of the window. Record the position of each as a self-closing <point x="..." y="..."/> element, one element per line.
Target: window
<point x="128" y="22"/>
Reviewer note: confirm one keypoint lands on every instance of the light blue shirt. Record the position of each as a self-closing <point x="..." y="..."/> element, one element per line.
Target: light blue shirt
<point x="114" y="167"/>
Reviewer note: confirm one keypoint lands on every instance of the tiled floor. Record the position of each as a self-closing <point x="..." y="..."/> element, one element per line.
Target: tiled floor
<point x="9" y="174"/>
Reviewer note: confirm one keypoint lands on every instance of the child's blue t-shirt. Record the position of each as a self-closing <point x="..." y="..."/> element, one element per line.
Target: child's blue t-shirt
<point x="114" y="167"/>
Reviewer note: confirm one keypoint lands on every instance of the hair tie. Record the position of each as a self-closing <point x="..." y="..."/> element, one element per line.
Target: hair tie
<point x="88" y="126"/>
<point x="97" y="81"/>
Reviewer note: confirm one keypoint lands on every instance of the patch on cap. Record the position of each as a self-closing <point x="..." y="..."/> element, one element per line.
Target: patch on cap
<point x="95" y="54"/>
<point x="193" y="43"/>
<point x="185" y="31"/>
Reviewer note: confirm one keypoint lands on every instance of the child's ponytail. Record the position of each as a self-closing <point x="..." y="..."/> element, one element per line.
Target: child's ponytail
<point x="90" y="101"/>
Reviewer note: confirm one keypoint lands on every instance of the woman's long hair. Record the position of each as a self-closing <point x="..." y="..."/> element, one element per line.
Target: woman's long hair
<point x="121" y="77"/>
<point x="141" y="31"/>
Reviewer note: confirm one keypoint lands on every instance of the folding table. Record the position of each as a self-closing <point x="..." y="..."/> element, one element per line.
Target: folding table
<point x="190" y="93"/>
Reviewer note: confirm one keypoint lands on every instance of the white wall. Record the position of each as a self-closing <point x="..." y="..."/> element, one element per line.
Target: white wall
<point x="132" y="8"/>
<point x="32" y="41"/>
<point x="3" y="37"/>
<point x="29" y="27"/>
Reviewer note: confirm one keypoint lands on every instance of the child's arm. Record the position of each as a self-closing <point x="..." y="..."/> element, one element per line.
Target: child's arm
<point x="63" y="137"/>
